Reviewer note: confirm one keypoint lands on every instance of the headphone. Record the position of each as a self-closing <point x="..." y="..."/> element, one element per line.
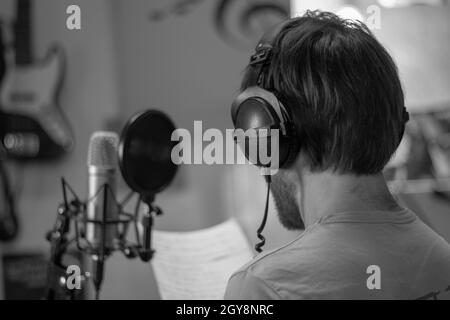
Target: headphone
<point x="258" y="107"/>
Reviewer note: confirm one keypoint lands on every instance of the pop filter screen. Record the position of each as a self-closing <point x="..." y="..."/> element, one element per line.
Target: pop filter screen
<point x="145" y="152"/>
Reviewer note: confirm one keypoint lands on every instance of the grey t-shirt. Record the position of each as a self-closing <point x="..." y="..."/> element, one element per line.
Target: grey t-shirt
<point x="352" y="255"/>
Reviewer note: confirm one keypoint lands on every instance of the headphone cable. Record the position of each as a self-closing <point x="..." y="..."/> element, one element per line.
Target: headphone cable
<point x="259" y="245"/>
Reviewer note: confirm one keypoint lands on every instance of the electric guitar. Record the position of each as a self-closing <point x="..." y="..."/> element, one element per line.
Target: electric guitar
<point x="32" y="125"/>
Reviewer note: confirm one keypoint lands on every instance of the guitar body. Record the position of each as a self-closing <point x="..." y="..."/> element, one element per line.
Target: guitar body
<point x="32" y="125"/>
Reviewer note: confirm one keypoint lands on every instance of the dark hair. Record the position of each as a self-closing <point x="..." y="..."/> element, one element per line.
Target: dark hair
<point x="343" y="90"/>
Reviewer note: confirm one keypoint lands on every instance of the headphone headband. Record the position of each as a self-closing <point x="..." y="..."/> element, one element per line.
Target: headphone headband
<point x="262" y="56"/>
<point x="258" y="107"/>
<point x="263" y="50"/>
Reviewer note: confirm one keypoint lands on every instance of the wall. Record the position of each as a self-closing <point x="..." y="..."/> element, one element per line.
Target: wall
<point x="417" y="38"/>
<point x="89" y="98"/>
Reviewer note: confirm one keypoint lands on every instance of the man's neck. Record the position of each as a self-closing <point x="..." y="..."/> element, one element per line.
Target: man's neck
<point x="328" y="193"/>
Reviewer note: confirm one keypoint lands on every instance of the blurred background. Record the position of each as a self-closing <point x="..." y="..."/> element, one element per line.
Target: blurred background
<point x="186" y="58"/>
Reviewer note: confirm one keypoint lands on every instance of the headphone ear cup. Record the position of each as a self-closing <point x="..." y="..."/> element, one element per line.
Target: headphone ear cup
<point x="255" y="112"/>
<point x="239" y="100"/>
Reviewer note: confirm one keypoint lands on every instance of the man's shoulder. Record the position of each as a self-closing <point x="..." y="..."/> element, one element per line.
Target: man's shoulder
<point x="295" y="253"/>
<point x="267" y="264"/>
<point x="268" y="273"/>
<point x="294" y="257"/>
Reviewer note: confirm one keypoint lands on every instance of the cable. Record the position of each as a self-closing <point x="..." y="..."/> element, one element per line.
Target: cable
<point x="136" y="227"/>
<point x="9" y="223"/>
<point x="259" y="245"/>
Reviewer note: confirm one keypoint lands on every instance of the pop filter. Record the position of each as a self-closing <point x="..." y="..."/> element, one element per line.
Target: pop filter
<point x="145" y="153"/>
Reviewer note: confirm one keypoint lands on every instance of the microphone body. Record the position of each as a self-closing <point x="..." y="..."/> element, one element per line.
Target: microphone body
<point x="101" y="205"/>
<point x="101" y="184"/>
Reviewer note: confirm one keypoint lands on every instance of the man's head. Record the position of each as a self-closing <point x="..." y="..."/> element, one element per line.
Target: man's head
<point x="343" y="90"/>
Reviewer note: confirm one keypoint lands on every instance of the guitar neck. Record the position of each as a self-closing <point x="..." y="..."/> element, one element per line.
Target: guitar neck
<point x="22" y="32"/>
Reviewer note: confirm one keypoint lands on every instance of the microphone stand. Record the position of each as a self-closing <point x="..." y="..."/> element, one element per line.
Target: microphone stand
<point x="146" y="253"/>
<point x="99" y="258"/>
<point x="75" y="211"/>
<point x="58" y="238"/>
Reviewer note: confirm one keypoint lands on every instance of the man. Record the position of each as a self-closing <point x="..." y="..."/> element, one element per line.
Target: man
<point x="359" y="243"/>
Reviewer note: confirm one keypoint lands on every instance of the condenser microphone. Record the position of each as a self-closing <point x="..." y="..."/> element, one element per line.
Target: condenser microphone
<point x="101" y="205"/>
<point x="100" y="224"/>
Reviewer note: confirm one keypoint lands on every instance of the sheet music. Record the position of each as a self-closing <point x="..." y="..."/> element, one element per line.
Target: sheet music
<point x="198" y="264"/>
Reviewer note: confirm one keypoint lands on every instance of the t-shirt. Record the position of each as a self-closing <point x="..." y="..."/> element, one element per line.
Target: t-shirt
<point x="352" y="255"/>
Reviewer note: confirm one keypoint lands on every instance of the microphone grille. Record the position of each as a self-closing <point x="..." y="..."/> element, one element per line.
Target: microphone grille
<point x="102" y="151"/>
